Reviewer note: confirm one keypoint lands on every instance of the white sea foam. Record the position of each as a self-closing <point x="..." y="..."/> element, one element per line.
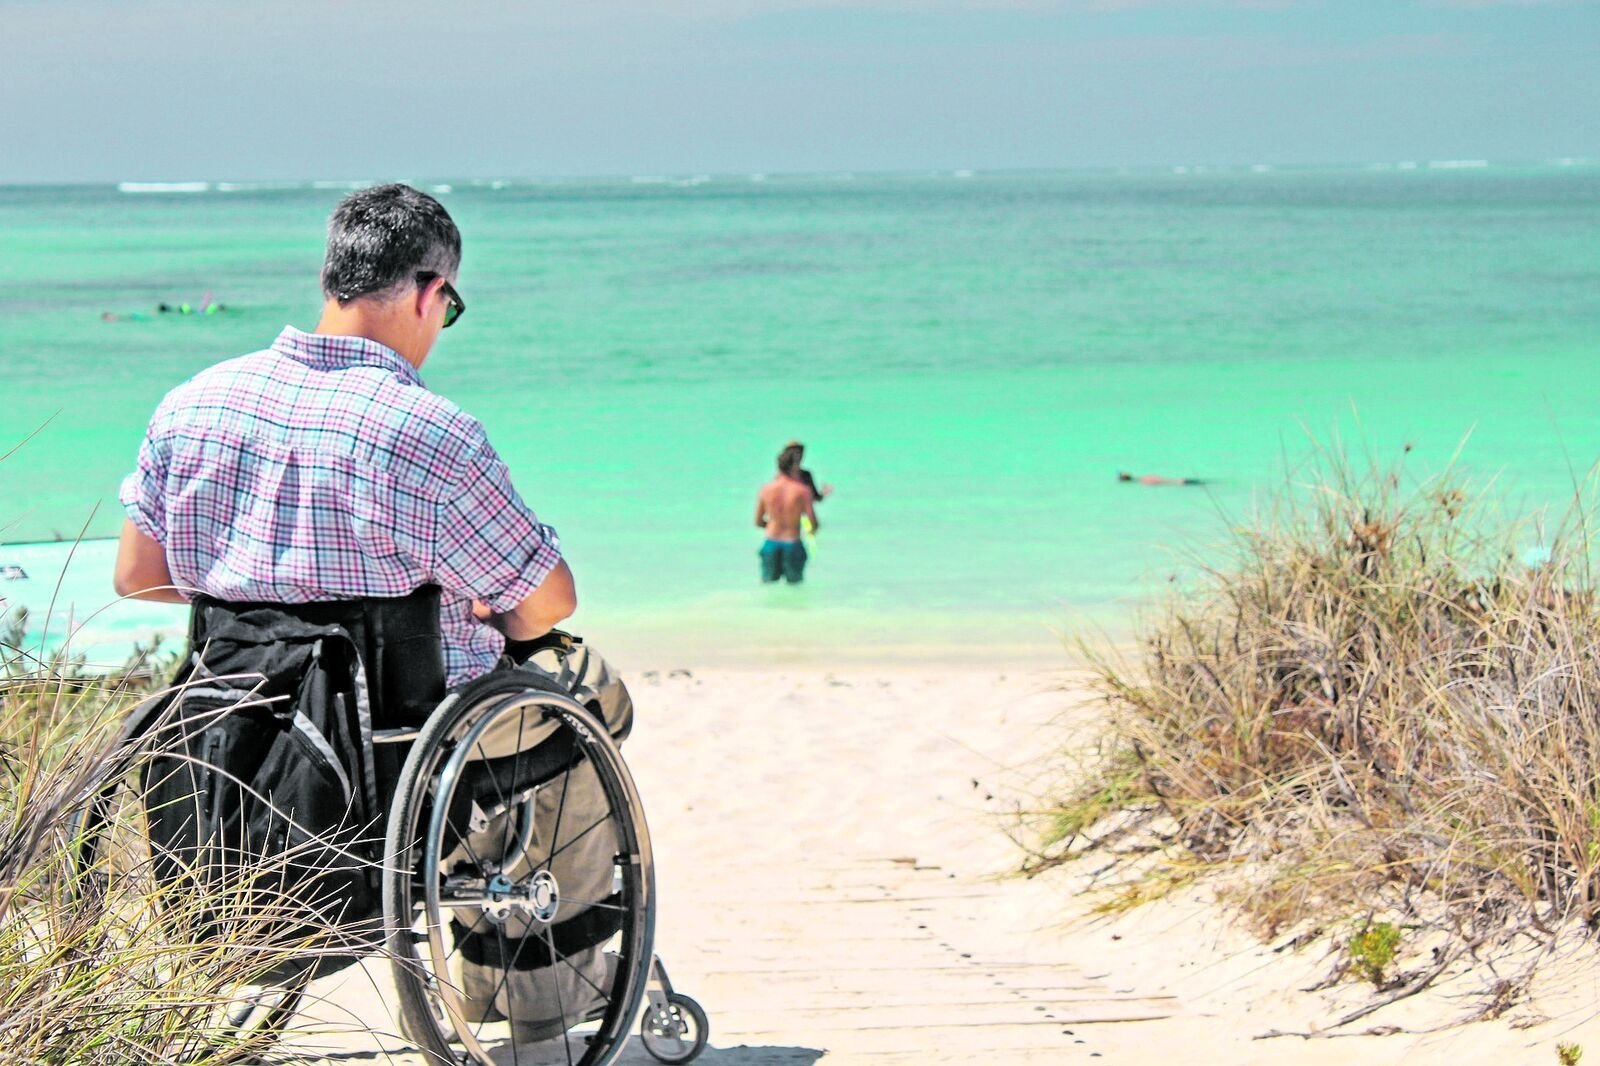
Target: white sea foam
<point x="1457" y="164"/>
<point x="342" y="184"/>
<point x="163" y="186"/>
<point x="257" y="186"/>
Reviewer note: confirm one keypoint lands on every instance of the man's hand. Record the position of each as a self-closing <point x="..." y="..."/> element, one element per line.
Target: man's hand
<point x="555" y="599"/>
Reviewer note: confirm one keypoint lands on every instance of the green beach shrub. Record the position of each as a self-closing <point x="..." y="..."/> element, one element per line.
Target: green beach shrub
<point x="1372" y="949"/>
<point x="1375" y="705"/>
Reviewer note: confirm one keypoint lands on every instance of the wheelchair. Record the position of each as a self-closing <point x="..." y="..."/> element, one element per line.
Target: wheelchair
<point x="483" y="834"/>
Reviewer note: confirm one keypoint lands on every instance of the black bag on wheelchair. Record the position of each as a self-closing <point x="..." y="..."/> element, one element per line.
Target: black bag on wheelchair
<point x="263" y="791"/>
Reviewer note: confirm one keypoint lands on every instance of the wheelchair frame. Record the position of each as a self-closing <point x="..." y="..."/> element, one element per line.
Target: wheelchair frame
<point x="440" y="784"/>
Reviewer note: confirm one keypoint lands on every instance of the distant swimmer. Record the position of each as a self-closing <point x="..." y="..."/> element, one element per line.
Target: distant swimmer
<point x="206" y="306"/>
<point x="1152" y="479"/>
<point x="780" y="505"/>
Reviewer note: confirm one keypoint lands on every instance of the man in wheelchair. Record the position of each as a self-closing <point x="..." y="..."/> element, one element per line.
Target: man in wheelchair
<point x="353" y="548"/>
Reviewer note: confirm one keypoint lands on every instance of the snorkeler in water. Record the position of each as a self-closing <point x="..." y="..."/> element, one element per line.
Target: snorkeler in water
<point x="1152" y="479"/>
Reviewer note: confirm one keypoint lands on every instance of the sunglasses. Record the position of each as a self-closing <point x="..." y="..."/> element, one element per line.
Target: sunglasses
<point x="454" y="306"/>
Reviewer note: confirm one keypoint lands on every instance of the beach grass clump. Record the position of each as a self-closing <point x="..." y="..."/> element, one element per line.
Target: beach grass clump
<point x="100" y="961"/>
<point x="1375" y="703"/>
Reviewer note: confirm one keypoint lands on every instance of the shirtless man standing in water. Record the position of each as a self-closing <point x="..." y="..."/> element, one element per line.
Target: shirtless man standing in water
<point x="779" y="507"/>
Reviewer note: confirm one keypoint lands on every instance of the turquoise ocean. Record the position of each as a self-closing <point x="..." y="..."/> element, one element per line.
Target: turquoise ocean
<point x="969" y="358"/>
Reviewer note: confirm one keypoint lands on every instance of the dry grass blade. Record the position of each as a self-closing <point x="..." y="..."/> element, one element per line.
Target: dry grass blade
<point x="102" y="961"/>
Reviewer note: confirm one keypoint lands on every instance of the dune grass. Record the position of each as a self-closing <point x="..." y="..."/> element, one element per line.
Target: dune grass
<point x="1378" y="705"/>
<point x="99" y="960"/>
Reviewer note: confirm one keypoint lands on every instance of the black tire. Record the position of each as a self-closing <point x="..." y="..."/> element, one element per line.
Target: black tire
<point x="678" y="1032"/>
<point x="110" y="865"/>
<point x="445" y="789"/>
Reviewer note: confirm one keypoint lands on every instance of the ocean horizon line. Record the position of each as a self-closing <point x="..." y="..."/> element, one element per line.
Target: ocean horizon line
<point x="447" y="184"/>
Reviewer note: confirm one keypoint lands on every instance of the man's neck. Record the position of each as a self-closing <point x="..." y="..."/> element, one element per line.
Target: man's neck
<point x="375" y="322"/>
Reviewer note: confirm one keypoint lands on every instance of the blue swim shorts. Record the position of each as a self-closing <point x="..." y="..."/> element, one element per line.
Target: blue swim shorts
<point x="785" y="559"/>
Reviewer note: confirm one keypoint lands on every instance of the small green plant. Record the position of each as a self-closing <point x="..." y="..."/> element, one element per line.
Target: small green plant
<point x="1372" y="949"/>
<point x="1568" y="1054"/>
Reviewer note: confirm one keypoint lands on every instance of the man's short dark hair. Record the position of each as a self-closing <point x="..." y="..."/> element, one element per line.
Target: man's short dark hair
<point x="789" y="460"/>
<point x="382" y="237"/>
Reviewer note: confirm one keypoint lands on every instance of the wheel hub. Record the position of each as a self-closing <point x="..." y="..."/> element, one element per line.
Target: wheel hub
<point x="539" y="897"/>
<point x="545" y="896"/>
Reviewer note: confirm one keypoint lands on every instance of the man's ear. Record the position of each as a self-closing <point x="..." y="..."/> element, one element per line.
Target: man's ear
<point x="419" y="303"/>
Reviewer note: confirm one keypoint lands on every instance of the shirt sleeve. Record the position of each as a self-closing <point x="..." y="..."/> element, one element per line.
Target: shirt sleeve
<point x="489" y="542"/>
<point x="141" y="492"/>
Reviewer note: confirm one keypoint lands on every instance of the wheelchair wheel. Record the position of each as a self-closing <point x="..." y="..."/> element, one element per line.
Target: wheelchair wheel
<point x="675" y="1030"/>
<point x="112" y="879"/>
<point x="519" y="890"/>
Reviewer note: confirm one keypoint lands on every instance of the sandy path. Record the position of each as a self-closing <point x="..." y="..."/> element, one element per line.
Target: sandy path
<point x="827" y="849"/>
<point x="826" y="869"/>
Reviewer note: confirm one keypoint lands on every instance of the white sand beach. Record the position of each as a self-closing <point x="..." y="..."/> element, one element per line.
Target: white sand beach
<point x="834" y="886"/>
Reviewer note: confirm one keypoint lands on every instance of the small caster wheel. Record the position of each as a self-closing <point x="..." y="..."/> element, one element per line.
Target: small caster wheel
<point x="676" y="1032"/>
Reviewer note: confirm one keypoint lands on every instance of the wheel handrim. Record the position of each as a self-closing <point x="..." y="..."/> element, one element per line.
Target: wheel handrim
<point x="530" y="896"/>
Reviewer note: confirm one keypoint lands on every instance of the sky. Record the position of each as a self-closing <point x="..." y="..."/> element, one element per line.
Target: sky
<point x="161" y="90"/>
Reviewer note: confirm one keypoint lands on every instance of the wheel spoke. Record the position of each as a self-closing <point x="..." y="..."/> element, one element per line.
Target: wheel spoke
<point x="604" y="818"/>
<point x="510" y="815"/>
<point x="561" y="1008"/>
<point x="561" y="804"/>
<point x="583" y="977"/>
<point x="597" y="904"/>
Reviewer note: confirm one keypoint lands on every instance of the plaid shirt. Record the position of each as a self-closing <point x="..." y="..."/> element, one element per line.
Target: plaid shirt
<point x="322" y="469"/>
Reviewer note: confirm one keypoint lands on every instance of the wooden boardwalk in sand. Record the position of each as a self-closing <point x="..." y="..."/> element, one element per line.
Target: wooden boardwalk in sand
<point x="827" y="864"/>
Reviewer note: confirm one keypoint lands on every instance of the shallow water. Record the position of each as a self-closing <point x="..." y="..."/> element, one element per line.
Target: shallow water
<point x="970" y="362"/>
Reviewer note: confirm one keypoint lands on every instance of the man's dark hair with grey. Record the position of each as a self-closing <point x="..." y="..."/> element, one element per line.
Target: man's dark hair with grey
<point x="380" y="238"/>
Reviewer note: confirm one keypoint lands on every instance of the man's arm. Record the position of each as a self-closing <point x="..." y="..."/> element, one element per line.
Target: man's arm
<point x="761" y="509"/>
<point x="555" y="598"/>
<point x="141" y="568"/>
<point x="811" y="512"/>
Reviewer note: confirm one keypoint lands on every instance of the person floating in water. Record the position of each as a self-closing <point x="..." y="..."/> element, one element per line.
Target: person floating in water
<point x="780" y="505"/>
<point x="1152" y="479"/>
<point x="206" y="306"/>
